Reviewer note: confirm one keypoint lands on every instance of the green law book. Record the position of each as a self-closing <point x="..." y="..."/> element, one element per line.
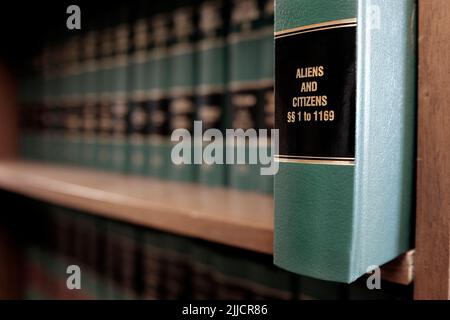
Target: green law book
<point x="204" y="262"/>
<point x="90" y="89"/>
<point x="52" y="111"/>
<point x="87" y="253"/>
<point x="211" y="84"/>
<point x="29" y="101"/>
<point x="137" y="134"/>
<point x="128" y="247"/>
<point x="94" y="47"/>
<point x="247" y="57"/>
<point x="119" y="147"/>
<point x="59" y="139"/>
<point x="158" y="145"/>
<point x="181" y="67"/>
<point x="345" y="108"/>
<point x="70" y="102"/>
<point x="153" y="268"/>
<point x="102" y="144"/>
<point x="90" y="130"/>
<point x="266" y="99"/>
<point x="138" y="83"/>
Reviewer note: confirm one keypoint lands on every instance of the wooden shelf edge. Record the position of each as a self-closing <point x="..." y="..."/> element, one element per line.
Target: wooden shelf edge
<point x="235" y="229"/>
<point x="248" y="226"/>
<point x="400" y="270"/>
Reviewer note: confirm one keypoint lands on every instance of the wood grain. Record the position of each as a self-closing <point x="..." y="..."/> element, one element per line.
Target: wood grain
<point x="9" y="126"/>
<point x="10" y="255"/>
<point x="229" y="217"/>
<point x="433" y="189"/>
<point x="400" y="270"/>
<point x="234" y="218"/>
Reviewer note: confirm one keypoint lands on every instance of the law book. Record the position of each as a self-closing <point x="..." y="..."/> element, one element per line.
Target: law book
<point x="87" y="253"/>
<point x="266" y="98"/>
<point x="203" y="268"/>
<point x="181" y="83"/>
<point x="30" y="98"/>
<point x="89" y="91"/>
<point x="247" y="54"/>
<point x="120" y="92"/>
<point x="51" y="109"/>
<point x="60" y="137"/>
<point x="103" y="105"/>
<point x="152" y="265"/>
<point x="125" y="266"/>
<point x="108" y="289"/>
<point x="211" y="84"/>
<point x="157" y="68"/>
<point x="138" y="85"/>
<point x="90" y="88"/>
<point x="345" y="110"/>
<point x="72" y="103"/>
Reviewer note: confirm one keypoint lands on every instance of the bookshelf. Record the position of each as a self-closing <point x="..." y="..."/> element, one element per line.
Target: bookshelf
<point x="250" y="226"/>
<point x="433" y="179"/>
<point x="188" y="210"/>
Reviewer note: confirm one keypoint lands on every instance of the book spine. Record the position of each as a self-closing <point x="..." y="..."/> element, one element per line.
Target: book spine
<point x="120" y="93"/>
<point x="211" y="84"/>
<point x="153" y="267"/>
<point x="182" y="84"/>
<point x="266" y="99"/>
<point x="343" y="190"/>
<point x="30" y="97"/>
<point x="90" y="88"/>
<point x="87" y="254"/>
<point x="72" y="104"/>
<point x="138" y="115"/>
<point x="157" y="69"/>
<point x="244" y="86"/>
<point x="102" y="139"/>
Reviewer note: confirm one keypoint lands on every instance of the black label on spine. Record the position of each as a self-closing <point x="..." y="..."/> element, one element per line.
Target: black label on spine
<point x="158" y="113"/>
<point x="105" y="118"/>
<point x="244" y="104"/>
<point x="210" y="110"/>
<point x="90" y="118"/>
<point x="182" y="112"/>
<point x="316" y="93"/>
<point x="138" y="118"/>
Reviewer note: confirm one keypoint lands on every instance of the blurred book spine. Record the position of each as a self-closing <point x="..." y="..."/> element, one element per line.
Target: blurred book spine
<point x="157" y="69"/>
<point x="121" y="98"/>
<point x="139" y="121"/>
<point x="211" y="87"/>
<point x="249" y="55"/>
<point x="182" y="88"/>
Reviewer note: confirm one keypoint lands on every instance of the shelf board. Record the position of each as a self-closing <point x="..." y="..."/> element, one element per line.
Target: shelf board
<point x="230" y="217"/>
<point x="220" y="215"/>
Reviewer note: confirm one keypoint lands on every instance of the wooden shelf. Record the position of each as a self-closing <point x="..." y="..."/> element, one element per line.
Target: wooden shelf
<point x="233" y="218"/>
<point x="239" y="219"/>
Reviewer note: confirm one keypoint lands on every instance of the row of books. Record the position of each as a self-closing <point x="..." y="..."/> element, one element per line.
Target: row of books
<point x="109" y="96"/>
<point x="121" y="261"/>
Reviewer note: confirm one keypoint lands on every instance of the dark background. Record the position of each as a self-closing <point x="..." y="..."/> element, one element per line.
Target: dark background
<point x="26" y="25"/>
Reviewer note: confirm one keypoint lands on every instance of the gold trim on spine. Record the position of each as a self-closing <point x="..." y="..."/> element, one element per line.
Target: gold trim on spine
<point x="316" y="160"/>
<point x="250" y="85"/>
<point x="320" y="158"/>
<point x="318" y="27"/>
<point x="322" y="162"/>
